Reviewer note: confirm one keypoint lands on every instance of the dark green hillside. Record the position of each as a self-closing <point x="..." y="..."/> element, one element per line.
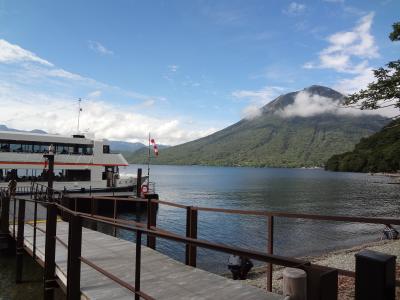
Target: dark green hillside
<point x="377" y="153"/>
<point x="273" y="140"/>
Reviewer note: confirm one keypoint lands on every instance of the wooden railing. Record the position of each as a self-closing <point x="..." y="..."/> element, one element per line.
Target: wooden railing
<point x="54" y="205"/>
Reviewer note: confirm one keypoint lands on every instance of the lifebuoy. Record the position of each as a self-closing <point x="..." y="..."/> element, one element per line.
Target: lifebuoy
<point x="145" y="189"/>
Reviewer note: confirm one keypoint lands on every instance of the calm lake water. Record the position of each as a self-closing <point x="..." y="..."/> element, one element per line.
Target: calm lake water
<point x="291" y="190"/>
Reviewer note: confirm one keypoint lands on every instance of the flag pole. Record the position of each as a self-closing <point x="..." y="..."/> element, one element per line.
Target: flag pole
<point x="148" y="163"/>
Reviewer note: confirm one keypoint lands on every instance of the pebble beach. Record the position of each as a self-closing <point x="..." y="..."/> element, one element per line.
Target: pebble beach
<point x="343" y="259"/>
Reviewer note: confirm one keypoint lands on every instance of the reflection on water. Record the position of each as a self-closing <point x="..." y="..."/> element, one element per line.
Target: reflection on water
<point x="292" y="190"/>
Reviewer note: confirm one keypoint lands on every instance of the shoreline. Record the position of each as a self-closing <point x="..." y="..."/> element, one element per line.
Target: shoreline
<point x="343" y="259"/>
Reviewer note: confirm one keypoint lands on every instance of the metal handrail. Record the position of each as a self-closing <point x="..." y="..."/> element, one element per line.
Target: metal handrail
<point x="153" y="231"/>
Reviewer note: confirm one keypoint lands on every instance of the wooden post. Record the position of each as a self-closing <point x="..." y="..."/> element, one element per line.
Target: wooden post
<point x="295" y="283"/>
<point x="20" y="241"/>
<point x="270" y="251"/>
<point x="34" y="227"/>
<point x="139" y="183"/>
<point x="74" y="262"/>
<point x="5" y="213"/>
<point x="51" y="232"/>
<point x="151" y="222"/>
<point x="115" y="217"/>
<point x="14" y="215"/>
<point x="50" y="252"/>
<point x="138" y="262"/>
<point x="191" y="232"/>
<point x="93" y="211"/>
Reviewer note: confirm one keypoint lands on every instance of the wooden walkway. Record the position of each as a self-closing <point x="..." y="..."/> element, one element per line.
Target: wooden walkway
<point x="161" y="276"/>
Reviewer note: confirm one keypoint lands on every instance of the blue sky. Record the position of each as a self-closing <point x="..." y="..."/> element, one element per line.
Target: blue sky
<point x="180" y="69"/>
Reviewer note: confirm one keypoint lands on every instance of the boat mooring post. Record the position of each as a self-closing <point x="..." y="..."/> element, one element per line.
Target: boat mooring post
<point x="51" y="232"/>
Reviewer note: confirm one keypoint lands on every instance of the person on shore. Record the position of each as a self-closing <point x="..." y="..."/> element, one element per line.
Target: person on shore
<point x="245" y="267"/>
<point x="240" y="266"/>
<point x="234" y="264"/>
<point x="12" y="187"/>
<point x="390" y="233"/>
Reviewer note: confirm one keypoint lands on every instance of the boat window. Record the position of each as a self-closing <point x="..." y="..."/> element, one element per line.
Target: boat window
<point x="77" y="175"/>
<point x="37" y="148"/>
<point x="4" y="147"/>
<point x="28" y="148"/>
<point x="106" y="149"/>
<point x="31" y="147"/>
<point x="15" y="147"/>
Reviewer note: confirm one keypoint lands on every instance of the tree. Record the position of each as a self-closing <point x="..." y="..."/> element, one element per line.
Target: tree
<point x="385" y="91"/>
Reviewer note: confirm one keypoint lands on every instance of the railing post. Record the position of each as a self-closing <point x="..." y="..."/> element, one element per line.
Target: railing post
<point x="50" y="252"/>
<point x="270" y="251"/>
<point x="5" y="213"/>
<point x="74" y="262"/>
<point x="20" y="240"/>
<point x="151" y="222"/>
<point x="14" y="215"/>
<point x="138" y="262"/>
<point x="191" y="232"/>
<point x="115" y="217"/>
<point x="34" y="227"/>
<point x="139" y="183"/>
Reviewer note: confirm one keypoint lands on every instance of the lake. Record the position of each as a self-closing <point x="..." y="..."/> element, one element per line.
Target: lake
<point x="312" y="191"/>
<point x="292" y="190"/>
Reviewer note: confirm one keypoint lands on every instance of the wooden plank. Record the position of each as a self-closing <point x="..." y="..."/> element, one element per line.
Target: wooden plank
<point x="161" y="276"/>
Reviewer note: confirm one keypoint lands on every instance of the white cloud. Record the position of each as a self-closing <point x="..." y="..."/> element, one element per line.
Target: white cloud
<point x="352" y="85"/>
<point x="36" y="94"/>
<point x="94" y="94"/>
<point x="58" y="114"/>
<point x="99" y="48"/>
<point x="349" y="51"/>
<point x="11" y="53"/>
<point x="173" y="68"/>
<point x="308" y="105"/>
<point x="251" y="112"/>
<point x="257" y="99"/>
<point x="295" y="9"/>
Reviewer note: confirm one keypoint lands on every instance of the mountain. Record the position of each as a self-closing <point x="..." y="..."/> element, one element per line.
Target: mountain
<point x="298" y="129"/>
<point x="377" y="153"/>
<point x="5" y="128"/>
<point x="125" y="146"/>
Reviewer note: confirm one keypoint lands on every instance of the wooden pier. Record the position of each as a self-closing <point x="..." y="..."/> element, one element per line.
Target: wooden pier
<point x="161" y="276"/>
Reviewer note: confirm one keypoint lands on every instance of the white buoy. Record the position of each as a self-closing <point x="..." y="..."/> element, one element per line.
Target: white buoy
<point x="294" y="284"/>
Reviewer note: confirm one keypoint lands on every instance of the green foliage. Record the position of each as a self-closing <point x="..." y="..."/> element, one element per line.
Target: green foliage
<point x="395" y="34"/>
<point x="377" y="153"/>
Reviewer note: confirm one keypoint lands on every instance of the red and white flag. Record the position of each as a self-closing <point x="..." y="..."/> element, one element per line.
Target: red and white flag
<point x="155" y="147"/>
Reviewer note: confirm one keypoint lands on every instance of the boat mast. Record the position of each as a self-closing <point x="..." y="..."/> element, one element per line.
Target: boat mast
<point x="79" y="112"/>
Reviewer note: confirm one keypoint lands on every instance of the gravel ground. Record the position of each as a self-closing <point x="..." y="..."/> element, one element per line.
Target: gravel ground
<point x="343" y="259"/>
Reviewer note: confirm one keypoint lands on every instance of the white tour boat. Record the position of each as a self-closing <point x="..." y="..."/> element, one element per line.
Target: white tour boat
<point x="79" y="162"/>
